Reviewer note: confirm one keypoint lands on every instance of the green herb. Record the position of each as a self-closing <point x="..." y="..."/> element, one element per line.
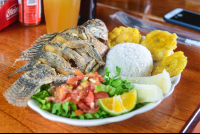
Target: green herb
<point x="114" y="85"/>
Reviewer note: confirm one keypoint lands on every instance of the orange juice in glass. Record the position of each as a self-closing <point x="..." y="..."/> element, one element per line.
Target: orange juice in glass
<point x="61" y="14"/>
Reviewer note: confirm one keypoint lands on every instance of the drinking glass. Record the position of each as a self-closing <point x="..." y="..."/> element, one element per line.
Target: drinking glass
<point x="61" y="14"/>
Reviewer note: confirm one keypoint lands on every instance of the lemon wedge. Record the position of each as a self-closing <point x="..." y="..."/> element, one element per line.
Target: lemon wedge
<point x="119" y="104"/>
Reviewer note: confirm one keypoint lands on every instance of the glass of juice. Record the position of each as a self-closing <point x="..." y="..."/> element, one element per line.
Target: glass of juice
<point x="61" y="14"/>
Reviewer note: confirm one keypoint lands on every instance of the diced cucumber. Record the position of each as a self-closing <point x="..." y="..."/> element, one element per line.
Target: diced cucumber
<point x="112" y="91"/>
<point x="98" y="88"/>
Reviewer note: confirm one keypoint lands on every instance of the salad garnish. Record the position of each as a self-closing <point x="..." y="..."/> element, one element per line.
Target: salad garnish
<point x="77" y="99"/>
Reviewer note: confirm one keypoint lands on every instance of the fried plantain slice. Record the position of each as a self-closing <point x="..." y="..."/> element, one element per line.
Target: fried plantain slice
<point x="160" y="43"/>
<point x="174" y="64"/>
<point x="123" y="34"/>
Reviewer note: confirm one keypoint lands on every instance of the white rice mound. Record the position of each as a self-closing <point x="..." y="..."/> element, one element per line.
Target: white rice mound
<point x="134" y="60"/>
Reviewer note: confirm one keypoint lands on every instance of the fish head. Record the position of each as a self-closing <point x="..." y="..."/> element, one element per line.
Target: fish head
<point x="98" y="28"/>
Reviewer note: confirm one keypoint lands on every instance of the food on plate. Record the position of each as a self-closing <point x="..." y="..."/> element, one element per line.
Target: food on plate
<point x="148" y="93"/>
<point x="174" y="64"/>
<point x="122" y="35"/>
<point x="92" y="96"/>
<point x="135" y="60"/>
<point x="80" y="91"/>
<point x="58" y="55"/>
<point x="21" y="91"/>
<point x="161" y="80"/>
<point x="62" y="73"/>
<point x="78" y="97"/>
<point x="160" y="43"/>
<point x="119" y="104"/>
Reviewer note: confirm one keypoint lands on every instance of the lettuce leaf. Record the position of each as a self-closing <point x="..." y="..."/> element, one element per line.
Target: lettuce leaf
<point x="115" y="85"/>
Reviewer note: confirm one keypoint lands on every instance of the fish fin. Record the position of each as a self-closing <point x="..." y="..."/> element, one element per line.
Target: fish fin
<point x="46" y="38"/>
<point x="26" y="67"/>
<point x="21" y="91"/>
<point x="21" y="59"/>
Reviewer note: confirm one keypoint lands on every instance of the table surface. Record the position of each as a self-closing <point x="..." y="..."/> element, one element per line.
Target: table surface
<point x="169" y="116"/>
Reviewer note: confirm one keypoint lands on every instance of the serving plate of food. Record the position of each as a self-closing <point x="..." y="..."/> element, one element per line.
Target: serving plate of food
<point x="97" y="122"/>
<point x="85" y="76"/>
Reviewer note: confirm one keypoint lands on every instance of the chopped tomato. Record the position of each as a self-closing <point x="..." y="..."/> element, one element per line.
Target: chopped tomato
<point x="67" y="99"/>
<point x="92" y="86"/>
<point x="50" y="98"/>
<point x="85" y="84"/>
<point x="72" y="81"/>
<point x="74" y="96"/>
<point x="92" y="75"/>
<point x="95" y="81"/>
<point x="89" y="98"/>
<point x="83" y="106"/>
<point x="80" y="77"/>
<point x="83" y="94"/>
<point x="101" y="95"/>
<point x="78" y="72"/>
<point x="63" y="86"/>
<point x="69" y="88"/>
<point x="92" y="110"/>
<point x="73" y="100"/>
<point x="80" y="93"/>
<point x="61" y="93"/>
<point x="101" y="78"/>
<point x="79" y="88"/>
<point x="77" y="112"/>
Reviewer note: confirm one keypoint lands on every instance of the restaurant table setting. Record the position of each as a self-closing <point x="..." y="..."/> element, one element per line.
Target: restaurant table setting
<point x="37" y="68"/>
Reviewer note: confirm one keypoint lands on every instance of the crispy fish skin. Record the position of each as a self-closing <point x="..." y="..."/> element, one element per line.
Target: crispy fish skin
<point x="56" y="61"/>
<point x="21" y="91"/>
<point x="84" y="54"/>
<point x="99" y="46"/>
<point x="89" y="67"/>
<point x="78" y="31"/>
<point x="94" y="53"/>
<point x="71" y="54"/>
<point x="46" y="58"/>
<point x="55" y="47"/>
<point x="76" y="38"/>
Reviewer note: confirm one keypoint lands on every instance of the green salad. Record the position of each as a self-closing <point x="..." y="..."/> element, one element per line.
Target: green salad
<point x="78" y="98"/>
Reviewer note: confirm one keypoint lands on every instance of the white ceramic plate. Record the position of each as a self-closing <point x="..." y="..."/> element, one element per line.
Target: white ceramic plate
<point x="96" y="122"/>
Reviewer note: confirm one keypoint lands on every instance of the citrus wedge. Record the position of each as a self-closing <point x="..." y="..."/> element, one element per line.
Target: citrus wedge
<point x="119" y="104"/>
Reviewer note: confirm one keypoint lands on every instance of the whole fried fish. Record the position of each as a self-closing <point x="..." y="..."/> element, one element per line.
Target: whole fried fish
<point x="54" y="57"/>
